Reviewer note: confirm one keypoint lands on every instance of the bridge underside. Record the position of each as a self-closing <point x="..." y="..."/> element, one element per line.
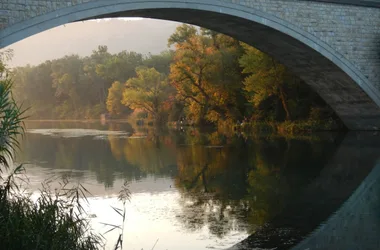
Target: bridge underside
<point x="353" y="100"/>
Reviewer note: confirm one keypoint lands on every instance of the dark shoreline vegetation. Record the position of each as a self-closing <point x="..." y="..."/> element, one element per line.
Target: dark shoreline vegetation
<point x="204" y="79"/>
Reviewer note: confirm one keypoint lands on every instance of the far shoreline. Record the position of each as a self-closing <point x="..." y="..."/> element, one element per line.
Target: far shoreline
<point x="75" y="120"/>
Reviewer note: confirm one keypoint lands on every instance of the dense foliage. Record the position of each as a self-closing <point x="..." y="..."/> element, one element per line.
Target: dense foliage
<point x="148" y="91"/>
<point x="207" y="79"/>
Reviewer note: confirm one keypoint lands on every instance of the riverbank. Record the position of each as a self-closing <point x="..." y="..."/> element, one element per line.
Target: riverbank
<point x="271" y="127"/>
<point x="277" y="128"/>
<point x="292" y="127"/>
<point x="76" y="120"/>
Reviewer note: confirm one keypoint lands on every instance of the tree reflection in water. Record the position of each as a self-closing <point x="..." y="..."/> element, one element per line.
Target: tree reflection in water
<point x="227" y="182"/>
<point x="246" y="182"/>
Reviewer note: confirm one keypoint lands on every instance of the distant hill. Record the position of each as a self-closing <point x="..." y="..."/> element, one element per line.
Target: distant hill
<point x="141" y="35"/>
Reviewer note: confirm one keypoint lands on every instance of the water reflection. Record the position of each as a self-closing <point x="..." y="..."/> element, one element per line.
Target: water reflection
<point x="222" y="184"/>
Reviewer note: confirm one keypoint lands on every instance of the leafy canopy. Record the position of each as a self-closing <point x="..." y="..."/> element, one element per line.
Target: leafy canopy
<point x="148" y="91"/>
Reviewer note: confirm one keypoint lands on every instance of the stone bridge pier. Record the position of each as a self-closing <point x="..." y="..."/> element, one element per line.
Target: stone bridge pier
<point x="333" y="45"/>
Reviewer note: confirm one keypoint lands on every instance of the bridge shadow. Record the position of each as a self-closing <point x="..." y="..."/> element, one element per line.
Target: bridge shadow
<point x="345" y="198"/>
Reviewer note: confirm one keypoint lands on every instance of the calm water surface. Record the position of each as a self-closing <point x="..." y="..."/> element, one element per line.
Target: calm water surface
<point x="193" y="190"/>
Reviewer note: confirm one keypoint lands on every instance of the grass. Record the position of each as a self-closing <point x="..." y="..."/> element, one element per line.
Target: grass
<point x="124" y="196"/>
<point x="56" y="219"/>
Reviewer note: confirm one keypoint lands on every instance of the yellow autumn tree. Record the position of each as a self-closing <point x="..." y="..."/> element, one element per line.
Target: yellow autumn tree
<point x="114" y="98"/>
<point x="204" y="73"/>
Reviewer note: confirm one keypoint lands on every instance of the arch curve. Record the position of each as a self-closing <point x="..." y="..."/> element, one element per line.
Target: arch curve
<point x="339" y="83"/>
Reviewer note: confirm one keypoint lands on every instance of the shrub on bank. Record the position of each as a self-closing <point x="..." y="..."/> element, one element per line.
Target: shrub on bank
<point x="307" y="126"/>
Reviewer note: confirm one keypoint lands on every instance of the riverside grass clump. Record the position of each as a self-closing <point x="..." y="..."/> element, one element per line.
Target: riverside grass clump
<point x="55" y="219"/>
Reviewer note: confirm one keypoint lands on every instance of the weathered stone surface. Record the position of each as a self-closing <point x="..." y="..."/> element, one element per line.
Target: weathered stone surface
<point x="335" y="47"/>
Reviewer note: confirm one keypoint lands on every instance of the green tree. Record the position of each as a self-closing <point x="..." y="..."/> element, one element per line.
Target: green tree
<point x="4" y="57"/>
<point x="33" y="87"/>
<point x="115" y="96"/>
<point x="74" y="87"/>
<point x="267" y="78"/>
<point x="182" y="34"/>
<point x="120" y="67"/>
<point x="99" y="85"/>
<point x="160" y="62"/>
<point x="148" y="91"/>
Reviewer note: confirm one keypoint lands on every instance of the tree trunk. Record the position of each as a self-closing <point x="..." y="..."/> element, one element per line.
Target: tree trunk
<point x="282" y="93"/>
<point x="284" y="103"/>
<point x="156" y="112"/>
<point x="203" y="113"/>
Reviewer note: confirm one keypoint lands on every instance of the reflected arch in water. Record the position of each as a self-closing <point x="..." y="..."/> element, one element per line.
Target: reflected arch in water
<point x="337" y="207"/>
<point x="356" y="225"/>
<point x="334" y="77"/>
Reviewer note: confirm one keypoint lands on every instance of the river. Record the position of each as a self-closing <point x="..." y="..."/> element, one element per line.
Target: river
<point x="200" y="190"/>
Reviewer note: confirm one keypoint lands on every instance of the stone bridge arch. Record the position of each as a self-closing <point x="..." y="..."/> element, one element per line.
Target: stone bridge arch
<point x="333" y="47"/>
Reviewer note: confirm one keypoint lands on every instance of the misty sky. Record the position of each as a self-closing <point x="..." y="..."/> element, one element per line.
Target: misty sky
<point x="140" y="35"/>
